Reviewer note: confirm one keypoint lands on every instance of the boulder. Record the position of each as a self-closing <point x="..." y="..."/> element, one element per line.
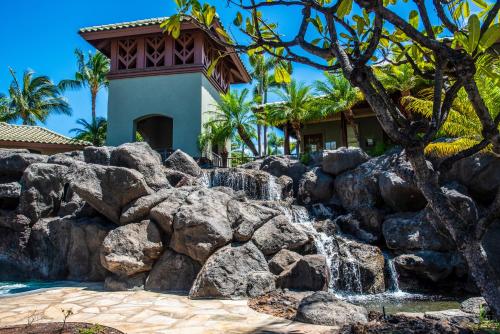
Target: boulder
<point x="343" y="159"/>
<point x="131" y="249"/>
<point x="125" y="283"/>
<point x="14" y="259"/>
<point x="100" y="155"/>
<point x="399" y="194"/>
<point x="172" y="272"/>
<point x="140" y="208"/>
<point x="179" y="179"/>
<point x="163" y="214"/>
<point x="184" y="163"/>
<point x="260" y="283"/>
<point x="279" y="166"/>
<point x="279" y="233"/>
<point x="357" y="188"/>
<point x="66" y="158"/>
<point x="108" y="189"/>
<point x="226" y="274"/>
<point x="246" y="217"/>
<point x="416" y="231"/>
<point x="14" y="162"/>
<point x="201" y="225"/>
<point x="308" y="273"/>
<point x="13" y="221"/>
<point x="315" y="187"/>
<point x="455" y="316"/>
<point x="9" y="195"/>
<point x="474" y="305"/>
<point x="141" y="157"/>
<point x="68" y="248"/>
<point x="282" y="260"/>
<point x="43" y="187"/>
<point x="492" y="246"/>
<point x="350" y="224"/>
<point x="323" y="308"/>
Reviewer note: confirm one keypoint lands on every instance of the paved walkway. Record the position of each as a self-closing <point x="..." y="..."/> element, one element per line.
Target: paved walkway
<point x="145" y="312"/>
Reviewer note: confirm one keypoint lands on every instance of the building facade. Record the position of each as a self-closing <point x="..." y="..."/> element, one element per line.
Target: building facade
<point x="159" y="86"/>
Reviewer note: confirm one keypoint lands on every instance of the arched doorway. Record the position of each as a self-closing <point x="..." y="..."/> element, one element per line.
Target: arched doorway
<point x="157" y="131"/>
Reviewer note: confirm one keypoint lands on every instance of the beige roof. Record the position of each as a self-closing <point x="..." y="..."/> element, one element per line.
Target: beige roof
<point x="35" y="134"/>
<point x="130" y="24"/>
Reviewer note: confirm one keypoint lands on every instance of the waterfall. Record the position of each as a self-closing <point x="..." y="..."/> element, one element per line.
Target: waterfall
<point x="256" y="185"/>
<point x="393" y="275"/>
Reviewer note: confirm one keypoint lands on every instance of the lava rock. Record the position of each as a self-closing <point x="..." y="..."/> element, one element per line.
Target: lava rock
<point x="283" y="260"/>
<point x="315" y="187"/>
<point x="9" y="195"/>
<point x="172" y="272"/>
<point x="125" y="283"/>
<point x="13" y="221"/>
<point x="226" y="274"/>
<point x="100" y="155"/>
<point x="308" y="273"/>
<point x="140" y="208"/>
<point x="279" y="166"/>
<point x="66" y="159"/>
<point x="399" y="194"/>
<point x="474" y="305"/>
<point x="323" y="308"/>
<point x="14" y="162"/>
<point x="260" y="283"/>
<point x="131" y="249"/>
<point x="279" y="233"/>
<point x="343" y="159"/>
<point x="184" y="163"/>
<point x="246" y="217"/>
<point x="163" y="214"/>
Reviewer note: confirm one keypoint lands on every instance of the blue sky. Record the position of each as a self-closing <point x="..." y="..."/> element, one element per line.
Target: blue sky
<point x="42" y="35"/>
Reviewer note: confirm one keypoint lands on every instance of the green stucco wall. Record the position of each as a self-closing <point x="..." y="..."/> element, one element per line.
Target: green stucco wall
<point x="186" y="98"/>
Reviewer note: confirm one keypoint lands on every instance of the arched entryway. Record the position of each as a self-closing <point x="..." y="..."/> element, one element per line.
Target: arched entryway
<point x="157" y="131"/>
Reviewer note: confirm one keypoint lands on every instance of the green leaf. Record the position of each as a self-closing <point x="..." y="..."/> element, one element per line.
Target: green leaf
<point x="238" y="19"/>
<point x="223" y="34"/>
<point x="474" y="28"/>
<point x="211" y="68"/>
<point x="209" y="15"/>
<point x="344" y="8"/>
<point x="490" y="37"/>
<point x="480" y="3"/>
<point x="414" y="19"/>
<point x="281" y="75"/>
<point x="466" y="9"/>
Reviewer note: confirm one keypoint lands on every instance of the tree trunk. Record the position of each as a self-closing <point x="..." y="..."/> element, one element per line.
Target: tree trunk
<point x="265" y="139"/>
<point x="286" y="143"/>
<point x="459" y="228"/>
<point x="93" y="96"/>
<point x="349" y="116"/>
<point x="298" y="133"/>
<point x="247" y="140"/>
<point x="259" y="146"/>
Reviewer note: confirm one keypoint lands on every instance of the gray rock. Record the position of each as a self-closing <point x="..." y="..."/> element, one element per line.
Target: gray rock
<point x="315" y="187"/>
<point x="42" y="190"/>
<point x="179" y="179"/>
<point x="100" y="155"/>
<point x="13" y="221"/>
<point x="474" y="305"/>
<point x="226" y="274"/>
<point x="131" y="249"/>
<point x="13" y="164"/>
<point x="15" y="260"/>
<point x="163" y="214"/>
<point x="126" y="283"/>
<point x="66" y="158"/>
<point x="201" y="225"/>
<point x="283" y="260"/>
<point x="140" y="208"/>
<point x="492" y="246"/>
<point x="246" y="217"/>
<point x="308" y="273"/>
<point x="108" y="189"/>
<point x="454" y="316"/>
<point x="279" y="233"/>
<point x="416" y="231"/>
<point x="279" y="166"/>
<point x="260" y="283"/>
<point x="338" y="161"/>
<point x="184" y="163"/>
<point x="323" y="308"/>
<point x="353" y="226"/>
<point x="141" y="157"/>
<point x="9" y="195"/>
<point x="357" y="188"/>
<point x="400" y="195"/>
<point x="172" y="272"/>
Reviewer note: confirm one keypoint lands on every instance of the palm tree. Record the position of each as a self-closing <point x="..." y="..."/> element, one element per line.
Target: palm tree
<point x="293" y="111"/>
<point x="92" y="73"/>
<point x="274" y="142"/>
<point x="94" y="132"/>
<point x="234" y="114"/>
<point x="34" y="99"/>
<point x="4" y="108"/>
<point x="338" y="96"/>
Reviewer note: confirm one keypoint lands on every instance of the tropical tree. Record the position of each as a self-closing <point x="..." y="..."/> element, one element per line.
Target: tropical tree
<point x="93" y="131"/>
<point x="4" y="108"/>
<point x="294" y="109"/>
<point x="275" y="142"/>
<point x="338" y="95"/>
<point x="92" y="74"/>
<point x="235" y="116"/>
<point x="33" y="99"/>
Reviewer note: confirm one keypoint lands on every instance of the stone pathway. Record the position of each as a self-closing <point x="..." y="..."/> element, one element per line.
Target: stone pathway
<point x="145" y="312"/>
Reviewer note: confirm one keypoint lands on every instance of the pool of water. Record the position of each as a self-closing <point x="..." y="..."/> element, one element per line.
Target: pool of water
<point x="14" y="288"/>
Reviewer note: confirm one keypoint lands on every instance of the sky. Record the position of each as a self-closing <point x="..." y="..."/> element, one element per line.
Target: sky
<point x="42" y="36"/>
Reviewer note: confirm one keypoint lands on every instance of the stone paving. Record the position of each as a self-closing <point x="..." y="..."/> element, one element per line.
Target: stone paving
<point x="145" y="312"/>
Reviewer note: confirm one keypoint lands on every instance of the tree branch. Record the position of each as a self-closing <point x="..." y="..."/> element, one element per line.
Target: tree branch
<point x="442" y="16"/>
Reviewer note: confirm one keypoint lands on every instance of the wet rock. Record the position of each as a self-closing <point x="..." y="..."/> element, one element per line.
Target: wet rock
<point x="183" y="162"/>
<point x="131" y="249"/>
<point x="100" y="155"/>
<point x="283" y="260"/>
<point x="9" y="195"/>
<point x="201" y="224"/>
<point x="140" y="208"/>
<point x="315" y="187"/>
<point x="308" y="273"/>
<point x="172" y="272"/>
<point x="323" y="308"/>
<point x="260" y="283"/>
<point x="399" y="194"/>
<point x="125" y="283"/>
<point x="163" y="214"/>
<point x="226" y="274"/>
<point x="416" y="231"/>
<point x="343" y="159"/>
<point x="351" y="225"/>
<point x="279" y="233"/>
<point x="108" y="189"/>
<point x="279" y="166"/>
<point x="141" y="157"/>
<point x="42" y="190"/>
<point x="246" y="217"/>
<point x="14" y="162"/>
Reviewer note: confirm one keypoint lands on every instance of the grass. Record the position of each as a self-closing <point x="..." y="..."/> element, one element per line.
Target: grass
<point x="486" y="324"/>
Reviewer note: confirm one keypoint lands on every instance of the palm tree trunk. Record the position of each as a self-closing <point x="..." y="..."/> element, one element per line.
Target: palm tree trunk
<point x="286" y="143"/>
<point x="349" y="115"/>
<point x="264" y="100"/>
<point x="93" y="96"/>
<point x="247" y="140"/>
<point x="259" y="139"/>
<point x="298" y="133"/>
